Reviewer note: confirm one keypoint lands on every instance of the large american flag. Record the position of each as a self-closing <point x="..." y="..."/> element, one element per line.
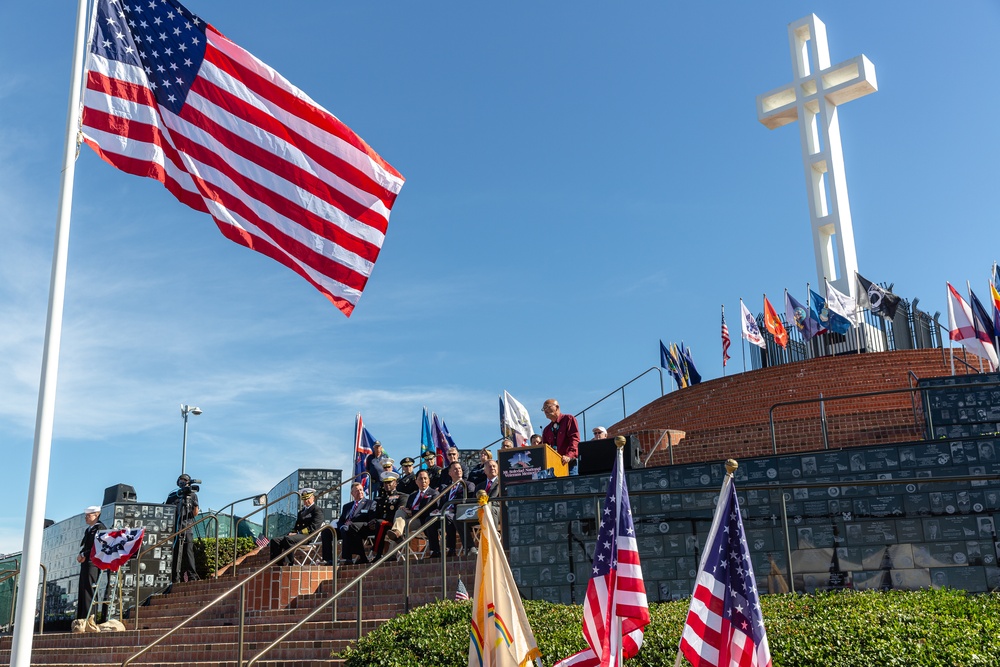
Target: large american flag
<point x="168" y="97"/>
<point x="725" y="627"/>
<point x="616" y="593"/>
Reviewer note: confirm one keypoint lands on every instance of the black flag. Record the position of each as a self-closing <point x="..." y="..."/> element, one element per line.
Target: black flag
<point x="876" y="298"/>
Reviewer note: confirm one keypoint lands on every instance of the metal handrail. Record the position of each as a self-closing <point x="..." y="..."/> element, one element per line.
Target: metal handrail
<point x="868" y="394"/>
<point x="410" y="536"/>
<point x="582" y="413"/>
<point x="11" y="574"/>
<point x="232" y="519"/>
<point x="319" y="494"/>
<point x="138" y="577"/>
<point x="241" y="587"/>
<point x="351" y="584"/>
<point x="441" y="535"/>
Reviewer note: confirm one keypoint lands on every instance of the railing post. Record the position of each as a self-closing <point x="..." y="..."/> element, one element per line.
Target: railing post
<point x="788" y="542"/>
<point x="243" y="613"/>
<point x="335" y="574"/>
<point x="444" y="558"/>
<point x="41" y="613"/>
<point x="822" y="422"/>
<point x="406" y="572"/>
<point x="624" y="413"/>
<point x="359" y="609"/>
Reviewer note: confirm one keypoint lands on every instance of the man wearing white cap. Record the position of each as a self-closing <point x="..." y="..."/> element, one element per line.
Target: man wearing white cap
<point x="309" y="520"/>
<point x="88" y="571"/>
<point x="600" y="433"/>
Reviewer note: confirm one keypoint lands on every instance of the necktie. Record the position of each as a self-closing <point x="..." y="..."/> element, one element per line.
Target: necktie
<point x="454" y="492"/>
<point x="489" y="485"/>
<point x="416" y="501"/>
<point x="353" y="510"/>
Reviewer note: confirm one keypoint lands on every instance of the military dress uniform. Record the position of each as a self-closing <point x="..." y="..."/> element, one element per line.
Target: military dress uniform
<point x="88" y="571"/>
<point x="308" y="521"/>
<point x="389" y="515"/>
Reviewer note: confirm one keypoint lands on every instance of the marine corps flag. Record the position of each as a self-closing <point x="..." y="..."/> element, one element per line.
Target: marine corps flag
<point x="773" y="324"/>
<point x="500" y="635"/>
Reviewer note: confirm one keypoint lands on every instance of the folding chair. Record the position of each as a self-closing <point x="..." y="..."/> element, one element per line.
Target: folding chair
<point x="311" y="553"/>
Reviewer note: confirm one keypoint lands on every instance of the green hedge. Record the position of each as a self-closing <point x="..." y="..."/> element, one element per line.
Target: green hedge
<point x="866" y="629"/>
<point x="204" y="553"/>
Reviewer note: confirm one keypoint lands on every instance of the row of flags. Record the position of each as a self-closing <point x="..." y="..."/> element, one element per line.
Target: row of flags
<point x="724" y="626"/>
<point x="434" y="437"/>
<point x="677" y="360"/>
<point x="835" y="312"/>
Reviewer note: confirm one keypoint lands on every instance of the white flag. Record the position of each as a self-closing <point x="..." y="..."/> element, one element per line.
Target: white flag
<point x="750" y="329"/>
<point x="500" y="635"/>
<point x="515" y="417"/>
<point x="842" y="304"/>
<point x="961" y="321"/>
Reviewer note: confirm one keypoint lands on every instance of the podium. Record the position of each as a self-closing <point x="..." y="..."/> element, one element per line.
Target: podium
<point x="525" y="464"/>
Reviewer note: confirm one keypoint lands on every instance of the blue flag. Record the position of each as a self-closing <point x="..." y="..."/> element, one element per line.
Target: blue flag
<point x="802" y="318"/>
<point x="667" y="361"/>
<point x="826" y="317"/>
<point x="426" y="442"/>
<point x="983" y="321"/>
<point x="694" y="377"/>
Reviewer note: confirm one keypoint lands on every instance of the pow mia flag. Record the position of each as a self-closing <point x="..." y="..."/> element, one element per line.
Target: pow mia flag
<point x="876" y="298"/>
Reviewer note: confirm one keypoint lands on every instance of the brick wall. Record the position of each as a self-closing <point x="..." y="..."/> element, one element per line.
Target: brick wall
<point x="729" y="416"/>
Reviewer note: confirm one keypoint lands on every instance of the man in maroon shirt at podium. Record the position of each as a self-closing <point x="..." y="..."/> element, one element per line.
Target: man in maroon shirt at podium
<point x="562" y="433"/>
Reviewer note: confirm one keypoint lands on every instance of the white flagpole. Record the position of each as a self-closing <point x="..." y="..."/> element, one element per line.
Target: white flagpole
<point x="612" y="604"/>
<point x="951" y="323"/>
<point x="743" y="345"/>
<point x="38" y="484"/>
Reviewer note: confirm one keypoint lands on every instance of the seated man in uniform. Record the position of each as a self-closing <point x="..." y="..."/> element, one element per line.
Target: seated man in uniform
<point x="309" y="520"/>
<point x="389" y="519"/>
<point x="352" y="527"/>
<point x="433" y="470"/>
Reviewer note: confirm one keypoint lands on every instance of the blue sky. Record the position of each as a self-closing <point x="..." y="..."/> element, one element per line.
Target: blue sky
<point x="583" y="179"/>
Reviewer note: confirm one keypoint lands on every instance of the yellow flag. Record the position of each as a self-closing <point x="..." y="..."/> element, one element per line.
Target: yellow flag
<point x="500" y="635"/>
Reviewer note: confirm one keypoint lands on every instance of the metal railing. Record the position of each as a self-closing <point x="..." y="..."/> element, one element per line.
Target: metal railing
<point x="582" y="414"/>
<point x="16" y="576"/>
<point x="137" y="558"/>
<point x="263" y="508"/>
<point x="241" y="587"/>
<point x="822" y="402"/>
<point x="388" y="557"/>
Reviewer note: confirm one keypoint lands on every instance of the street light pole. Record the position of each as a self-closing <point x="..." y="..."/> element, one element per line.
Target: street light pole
<point x="185" y="410"/>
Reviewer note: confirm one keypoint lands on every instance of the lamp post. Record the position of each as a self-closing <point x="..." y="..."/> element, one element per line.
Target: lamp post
<point x="185" y="411"/>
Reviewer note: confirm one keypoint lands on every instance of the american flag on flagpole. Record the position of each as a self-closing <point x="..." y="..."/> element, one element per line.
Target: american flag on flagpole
<point x="615" y="611"/>
<point x="169" y="97"/>
<point x="726" y="340"/>
<point x="725" y="627"/>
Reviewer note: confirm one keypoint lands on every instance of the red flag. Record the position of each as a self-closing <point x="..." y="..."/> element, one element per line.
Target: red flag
<point x="616" y="593"/>
<point x="169" y="97"/>
<point x="112" y="548"/>
<point x="726" y="342"/>
<point x="774" y="325"/>
<point x="724" y="626"/>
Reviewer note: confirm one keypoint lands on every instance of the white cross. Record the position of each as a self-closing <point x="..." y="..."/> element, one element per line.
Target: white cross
<point x="812" y="98"/>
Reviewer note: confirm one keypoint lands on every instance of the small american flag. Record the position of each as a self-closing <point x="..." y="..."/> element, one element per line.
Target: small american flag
<point x="169" y="97"/>
<point x="616" y="593"/>
<point x="726" y="341"/>
<point x="725" y="627"/>
<point x="461" y="592"/>
<point x="262" y="541"/>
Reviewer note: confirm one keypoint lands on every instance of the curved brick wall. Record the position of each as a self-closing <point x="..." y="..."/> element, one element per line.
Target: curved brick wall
<point x="728" y="417"/>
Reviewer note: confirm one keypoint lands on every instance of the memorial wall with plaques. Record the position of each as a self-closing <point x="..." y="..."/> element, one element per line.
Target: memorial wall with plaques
<point x="860" y="518"/>
<point x="281" y="515"/>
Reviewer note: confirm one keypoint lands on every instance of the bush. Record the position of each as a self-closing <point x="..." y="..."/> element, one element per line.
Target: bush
<point x="864" y="629"/>
<point x="204" y="553"/>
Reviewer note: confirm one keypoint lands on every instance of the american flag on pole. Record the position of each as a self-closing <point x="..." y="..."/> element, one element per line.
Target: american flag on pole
<point x="726" y="340"/>
<point x="169" y="97"/>
<point x="615" y="611"/>
<point x="461" y="592"/>
<point x="725" y="627"/>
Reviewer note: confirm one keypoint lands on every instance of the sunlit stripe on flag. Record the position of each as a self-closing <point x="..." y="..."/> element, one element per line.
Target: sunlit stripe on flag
<point x="227" y="135"/>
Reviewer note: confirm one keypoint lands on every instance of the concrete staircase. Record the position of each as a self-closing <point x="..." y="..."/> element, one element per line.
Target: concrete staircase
<point x="211" y="640"/>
